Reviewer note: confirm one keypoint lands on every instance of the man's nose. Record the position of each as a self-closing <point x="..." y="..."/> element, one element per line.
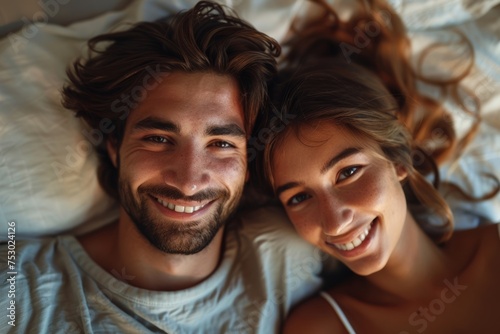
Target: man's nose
<point x="187" y="169"/>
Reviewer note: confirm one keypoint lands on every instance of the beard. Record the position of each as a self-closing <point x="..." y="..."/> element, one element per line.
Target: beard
<point x="170" y="236"/>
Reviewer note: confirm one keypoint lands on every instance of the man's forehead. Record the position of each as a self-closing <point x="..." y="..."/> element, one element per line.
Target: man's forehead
<point x="178" y="85"/>
<point x="190" y="101"/>
<point x="181" y="89"/>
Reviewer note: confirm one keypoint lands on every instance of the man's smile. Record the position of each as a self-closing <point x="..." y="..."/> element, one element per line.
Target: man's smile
<point x="180" y="208"/>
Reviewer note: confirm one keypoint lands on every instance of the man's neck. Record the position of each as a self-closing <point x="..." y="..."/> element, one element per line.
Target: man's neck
<point x="126" y="254"/>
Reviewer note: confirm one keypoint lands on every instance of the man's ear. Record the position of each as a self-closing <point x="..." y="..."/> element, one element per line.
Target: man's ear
<point x="112" y="148"/>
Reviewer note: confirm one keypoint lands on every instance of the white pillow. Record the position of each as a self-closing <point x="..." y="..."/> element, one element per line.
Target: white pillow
<point x="48" y="181"/>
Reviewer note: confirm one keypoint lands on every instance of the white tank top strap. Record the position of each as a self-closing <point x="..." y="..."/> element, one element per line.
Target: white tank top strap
<point x="339" y="311"/>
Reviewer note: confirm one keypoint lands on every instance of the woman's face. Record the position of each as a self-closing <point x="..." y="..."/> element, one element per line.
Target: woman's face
<point x="341" y="196"/>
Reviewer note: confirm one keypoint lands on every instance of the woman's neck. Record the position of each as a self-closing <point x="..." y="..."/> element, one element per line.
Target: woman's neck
<point x="417" y="268"/>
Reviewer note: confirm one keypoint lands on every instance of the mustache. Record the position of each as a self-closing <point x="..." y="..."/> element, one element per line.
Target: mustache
<point x="175" y="194"/>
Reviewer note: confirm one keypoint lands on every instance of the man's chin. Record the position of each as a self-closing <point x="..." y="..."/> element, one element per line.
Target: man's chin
<point x="178" y="234"/>
<point x="185" y="238"/>
<point x="182" y="243"/>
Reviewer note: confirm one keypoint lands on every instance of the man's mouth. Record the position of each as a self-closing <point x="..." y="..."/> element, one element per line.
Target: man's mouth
<point x="180" y="208"/>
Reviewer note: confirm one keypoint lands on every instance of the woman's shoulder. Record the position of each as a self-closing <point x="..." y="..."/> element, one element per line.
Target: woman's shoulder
<point x="490" y="237"/>
<point x="490" y="232"/>
<point x="315" y="316"/>
<point x="484" y="239"/>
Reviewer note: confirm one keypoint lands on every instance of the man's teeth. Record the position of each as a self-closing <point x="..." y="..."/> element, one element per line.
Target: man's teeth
<point x="180" y="208"/>
<point x="356" y="242"/>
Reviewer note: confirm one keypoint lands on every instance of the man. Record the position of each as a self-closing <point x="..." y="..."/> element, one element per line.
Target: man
<point x="176" y="101"/>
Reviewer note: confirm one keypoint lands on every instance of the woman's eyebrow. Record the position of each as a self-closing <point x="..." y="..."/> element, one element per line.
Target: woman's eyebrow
<point x="338" y="157"/>
<point x="287" y="186"/>
<point x="342" y="155"/>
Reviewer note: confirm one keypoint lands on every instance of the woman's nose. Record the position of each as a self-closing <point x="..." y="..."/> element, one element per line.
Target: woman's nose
<point x="336" y="215"/>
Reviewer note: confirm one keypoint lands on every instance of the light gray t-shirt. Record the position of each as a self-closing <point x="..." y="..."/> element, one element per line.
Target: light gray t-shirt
<point x="266" y="268"/>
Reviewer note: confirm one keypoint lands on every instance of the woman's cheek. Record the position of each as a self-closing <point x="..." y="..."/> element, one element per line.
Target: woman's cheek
<point x="307" y="230"/>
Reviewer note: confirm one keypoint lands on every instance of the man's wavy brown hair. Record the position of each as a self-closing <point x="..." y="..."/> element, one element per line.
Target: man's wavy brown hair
<point x="202" y="39"/>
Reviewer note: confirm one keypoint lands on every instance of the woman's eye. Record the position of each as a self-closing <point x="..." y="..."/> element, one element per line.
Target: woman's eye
<point x="297" y="199"/>
<point x="348" y="172"/>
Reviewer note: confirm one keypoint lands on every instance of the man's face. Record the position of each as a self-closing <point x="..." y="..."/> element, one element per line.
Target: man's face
<point x="182" y="161"/>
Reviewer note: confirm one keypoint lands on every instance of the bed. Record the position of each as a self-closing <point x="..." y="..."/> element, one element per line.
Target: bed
<point x="48" y="183"/>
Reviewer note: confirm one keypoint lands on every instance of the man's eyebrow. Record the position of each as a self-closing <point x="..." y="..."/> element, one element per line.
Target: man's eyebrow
<point x="231" y="129"/>
<point x="342" y="155"/>
<point x="153" y="123"/>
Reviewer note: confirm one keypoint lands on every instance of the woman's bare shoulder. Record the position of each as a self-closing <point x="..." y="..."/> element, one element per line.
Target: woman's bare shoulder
<point x="483" y="240"/>
<point x="485" y="233"/>
<point x="490" y="238"/>
<point x="315" y="316"/>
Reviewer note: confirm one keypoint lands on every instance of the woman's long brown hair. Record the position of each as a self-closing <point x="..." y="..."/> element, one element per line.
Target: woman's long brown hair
<point x="375" y="37"/>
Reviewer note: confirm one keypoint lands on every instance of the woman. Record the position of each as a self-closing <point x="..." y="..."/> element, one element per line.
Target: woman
<point x="347" y="161"/>
<point x="342" y="167"/>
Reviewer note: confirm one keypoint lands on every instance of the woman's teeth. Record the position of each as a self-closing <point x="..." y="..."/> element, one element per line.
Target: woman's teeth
<point x="356" y="242"/>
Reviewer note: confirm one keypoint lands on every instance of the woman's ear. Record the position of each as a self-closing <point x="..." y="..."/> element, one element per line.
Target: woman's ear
<point x="400" y="172"/>
<point x="112" y="148"/>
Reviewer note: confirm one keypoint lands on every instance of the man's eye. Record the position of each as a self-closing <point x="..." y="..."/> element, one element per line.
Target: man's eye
<point x="223" y="144"/>
<point x="297" y="199"/>
<point x="348" y="172"/>
<point x="157" y="139"/>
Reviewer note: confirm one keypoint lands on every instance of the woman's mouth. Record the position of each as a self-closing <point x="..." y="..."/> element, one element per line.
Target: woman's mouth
<point x="356" y="241"/>
<point x="358" y="244"/>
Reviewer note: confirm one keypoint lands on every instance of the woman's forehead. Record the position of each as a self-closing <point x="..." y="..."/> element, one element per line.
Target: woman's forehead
<point x="315" y="133"/>
<point x="302" y="143"/>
